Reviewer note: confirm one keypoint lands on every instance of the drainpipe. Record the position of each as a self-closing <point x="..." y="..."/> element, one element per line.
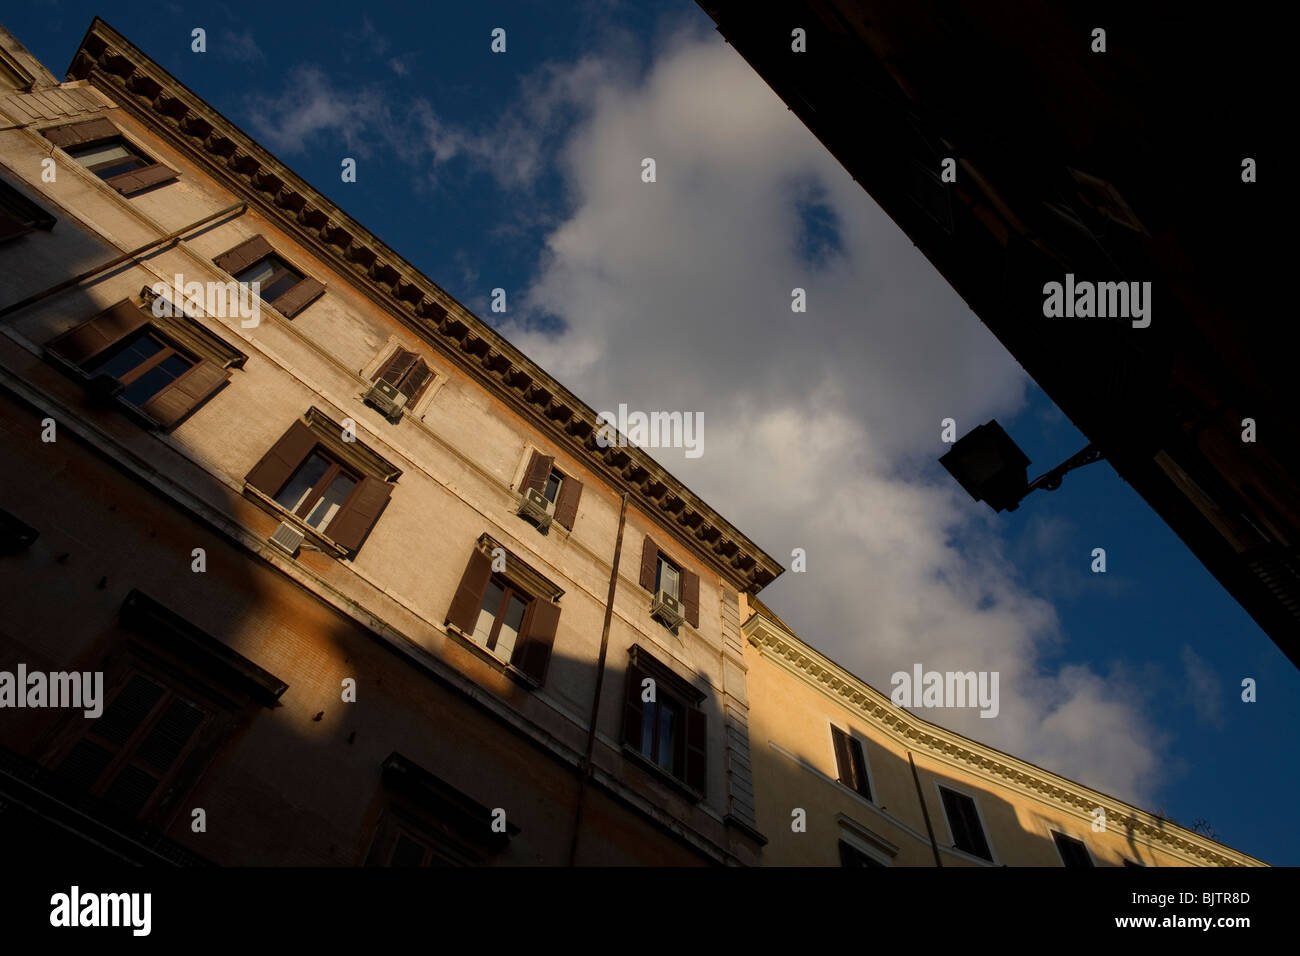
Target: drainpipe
<point x="118" y="260"/>
<point x="924" y="812"/>
<point x="600" y="679"/>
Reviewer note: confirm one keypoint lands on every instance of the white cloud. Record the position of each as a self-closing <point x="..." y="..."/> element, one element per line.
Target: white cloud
<point x="676" y="296"/>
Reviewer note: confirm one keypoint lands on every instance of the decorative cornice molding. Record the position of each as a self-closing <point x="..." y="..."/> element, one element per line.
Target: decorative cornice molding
<point x="851" y="692"/>
<point x="149" y="93"/>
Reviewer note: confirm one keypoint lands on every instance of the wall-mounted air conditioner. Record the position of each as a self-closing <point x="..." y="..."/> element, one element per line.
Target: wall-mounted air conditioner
<point x="387" y="398"/>
<point x="287" y="538"/>
<point x="533" y="505"/>
<point x="668" y="609"/>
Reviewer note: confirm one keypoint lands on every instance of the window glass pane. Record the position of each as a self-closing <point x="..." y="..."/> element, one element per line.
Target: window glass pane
<point x="510" y="627"/>
<point x="304" y="479"/>
<point x="670" y="729"/>
<point x="649" y="721"/>
<point x="278" y="286"/>
<point x="667" y="578"/>
<point x="331" y="501"/>
<point x="488" y="612"/>
<point x="259" y="271"/>
<point x="108" y="159"/>
<point x="552" y="491"/>
<point x="123" y="358"/>
<point x="275" y="276"/>
<point x="156" y="379"/>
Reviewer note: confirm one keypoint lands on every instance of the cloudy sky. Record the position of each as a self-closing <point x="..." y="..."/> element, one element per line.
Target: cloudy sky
<point x="522" y="170"/>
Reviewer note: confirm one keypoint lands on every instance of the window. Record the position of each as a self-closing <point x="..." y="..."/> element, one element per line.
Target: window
<point x="99" y="146"/>
<point x="513" y="613"/>
<point x="662" y="721"/>
<point x="561" y="490"/>
<point x="1073" y="852"/>
<point x="173" y="693"/>
<point x="964" y="824"/>
<point x="19" y="215"/>
<point x="163" y="367"/>
<point x="852" y="856"/>
<point x="850" y="762"/>
<point x="406" y="372"/>
<point x="659" y="572"/>
<point x="332" y="488"/>
<point x="282" y="285"/>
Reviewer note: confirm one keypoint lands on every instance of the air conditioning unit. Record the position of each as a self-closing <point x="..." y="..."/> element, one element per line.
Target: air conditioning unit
<point x="668" y="609"/>
<point x="387" y="398"/>
<point x="533" y="505"/>
<point x="287" y="538"/>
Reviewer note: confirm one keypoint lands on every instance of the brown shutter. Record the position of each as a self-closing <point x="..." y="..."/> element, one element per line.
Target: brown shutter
<point x="270" y="474"/>
<point x="238" y="259"/>
<point x="415" y="380"/>
<point x="633" y="707"/>
<point x="359" y="513"/>
<point x="859" y="768"/>
<point x="649" y="564"/>
<point x="566" y="509"/>
<point x="75" y="134"/>
<point x="133" y="182"/>
<point x="533" y="654"/>
<point x="539" y="469"/>
<point x="395" y="367"/>
<point x="691" y="597"/>
<point x="469" y="596"/>
<point x="697" y="744"/>
<point x="299" y="297"/>
<point x="94" y="335"/>
<point x="186" y="393"/>
<point x="843" y="756"/>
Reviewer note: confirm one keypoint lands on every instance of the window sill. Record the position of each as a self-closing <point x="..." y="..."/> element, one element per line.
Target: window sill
<point x="499" y="664"/>
<point x="677" y="784"/>
<point x="320" y="541"/>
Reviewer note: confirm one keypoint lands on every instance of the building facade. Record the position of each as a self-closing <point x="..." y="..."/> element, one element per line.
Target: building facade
<point x="332" y="574"/>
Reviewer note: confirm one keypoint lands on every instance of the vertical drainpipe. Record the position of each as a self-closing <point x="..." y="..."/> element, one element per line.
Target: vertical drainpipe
<point x="924" y="812"/>
<point x="600" y="679"/>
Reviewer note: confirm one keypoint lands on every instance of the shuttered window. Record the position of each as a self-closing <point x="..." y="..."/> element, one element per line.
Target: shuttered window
<point x="316" y="485"/>
<point x="850" y="762"/>
<point x="497" y="612"/>
<point x="19" y="215"/>
<point x="135" y="747"/>
<point x="1074" y="853"/>
<point x="124" y="354"/>
<point x="658" y="571"/>
<point x="964" y="824"/>
<point x="670" y="731"/>
<point x="564" y="491"/>
<point x="406" y="372"/>
<point x="281" y="284"/>
<point x="99" y="146"/>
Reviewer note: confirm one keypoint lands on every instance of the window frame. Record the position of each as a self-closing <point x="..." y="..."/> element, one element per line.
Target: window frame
<point x="979" y="816"/>
<point x="509" y="589"/>
<point x="854" y="741"/>
<point x="133" y="153"/>
<point x="167" y="349"/>
<point x="279" y="270"/>
<point x="688" y="698"/>
<point x="316" y="493"/>
<point x="77" y="137"/>
<point x="1059" y="836"/>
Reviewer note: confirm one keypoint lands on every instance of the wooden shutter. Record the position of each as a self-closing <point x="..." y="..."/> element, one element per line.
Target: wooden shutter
<point x="75" y="134"/>
<point x="697" y="743"/>
<point x="395" y="367"/>
<point x="566" y="509"/>
<point x="359" y="513"/>
<point x="469" y="596"/>
<point x="136" y="180"/>
<point x="539" y="469"/>
<point x="533" y="654"/>
<point x="299" y="297"/>
<point x="416" y="378"/>
<point x="633" y="707"/>
<point x="238" y="259"/>
<point x="649" y="564"/>
<point x="186" y="393"/>
<point x="691" y="597"/>
<point x="843" y="756"/>
<point x="860" y="783"/>
<point x="270" y="474"/>
<point x="98" y="333"/>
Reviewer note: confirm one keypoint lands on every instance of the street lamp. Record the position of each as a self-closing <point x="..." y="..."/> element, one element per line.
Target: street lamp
<point x="993" y="469"/>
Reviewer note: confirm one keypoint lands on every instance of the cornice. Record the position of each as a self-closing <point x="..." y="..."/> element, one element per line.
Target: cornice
<point x="148" y="92"/>
<point x="851" y="692"/>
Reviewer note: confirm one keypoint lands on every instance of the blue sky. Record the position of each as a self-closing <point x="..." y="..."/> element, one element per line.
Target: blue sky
<point x="521" y="171"/>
